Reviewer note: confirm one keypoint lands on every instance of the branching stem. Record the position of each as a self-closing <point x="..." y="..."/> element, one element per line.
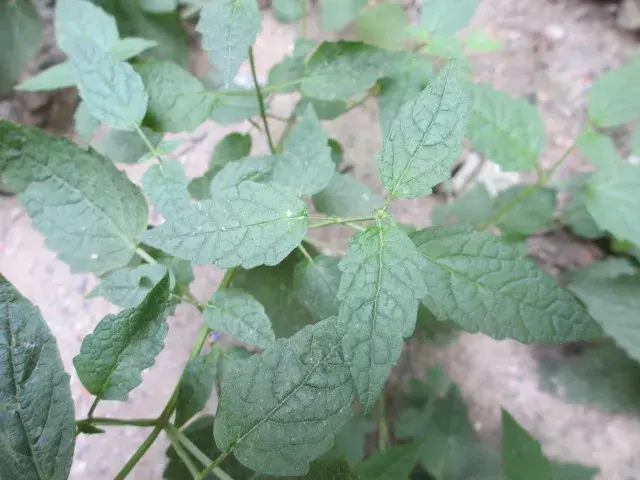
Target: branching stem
<point x="263" y="113"/>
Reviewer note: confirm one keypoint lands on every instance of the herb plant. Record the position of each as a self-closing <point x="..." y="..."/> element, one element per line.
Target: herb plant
<point x="307" y="397"/>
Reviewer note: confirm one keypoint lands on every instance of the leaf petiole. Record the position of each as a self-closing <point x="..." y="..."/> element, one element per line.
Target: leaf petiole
<point x="263" y="114"/>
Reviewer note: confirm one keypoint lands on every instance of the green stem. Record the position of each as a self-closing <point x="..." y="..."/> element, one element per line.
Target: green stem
<point x="305" y="253"/>
<point x="287" y="128"/>
<point x="147" y="142"/>
<point x="182" y="453"/>
<point x="170" y="407"/>
<point x="93" y="407"/>
<point x="133" y="422"/>
<point x="303" y="26"/>
<point x="145" y="256"/>
<point x="254" y="124"/>
<point x="263" y="113"/>
<point x="213" y="466"/>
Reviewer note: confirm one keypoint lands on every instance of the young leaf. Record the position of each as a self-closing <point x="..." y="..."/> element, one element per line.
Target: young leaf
<point x="346" y="196"/>
<point x="121" y="146"/>
<point x="485" y="286"/>
<point x="196" y="384"/>
<point x="123" y="345"/>
<point x="506" y="130"/>
<point x="112" y="91"/>
<point x="256" y="169"/>
<point x="94" y="226"/>
<point x="380" y="290"/>
<point x="228" y="29"/>
<point x="238" y="314"/>
<point x="287" y="11"/>
<point x="20" y="34"/>
<point x="77" y="21"/>
<point x="337" y="14"/>
<point x="305" y="392"/>
<point x="127" y="287"/>
<point x="411" y="77"/>
<point x="612" y="196"/>
<point x="273" y="288"/>
<point x="440" y="16"/>
<point x="306" y="164"/>
<point x="232" y="147"/>
<point x="316" y="284"/>
<point x="603" y="376"/>
<point x="525" y="217"/>
<point x="177" y="100"/>
<point x="396" y="463"/>
<point x="37" y="421"/>
<point x="599" y="149"/>
<point x="521" y="453"/>
<point x="61" y="76"/>
<point x="425" y="138"/>
<point x="339" y="70"/>
<point x="614" y="304"/>
<point x="383" y="25"/>
<point x="614" y="98"/>
<point x="167" y="187"/>
<point x="248" y="225"/>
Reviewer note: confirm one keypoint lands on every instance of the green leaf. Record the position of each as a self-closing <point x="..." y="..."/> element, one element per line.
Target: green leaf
<point x="350" y="440"/>
<point x="576" y="215"/>
<point x="232" y="147"/>
<point x="383" y="25"/>
<point x="506" y="130"/>
<point x="330" y="471"/>
<point x="411" y="78"/>
<point x="167" y="187"/>
<point x="440" y="16"/>
<point x="444" y="456"/>
<point x="612" y="196"/>
<point x="167" y="30"/>
<point x="130" y="47"/>
<point x="306" y="165"/>
<point x="425" y="138"/>
<point x="112" y="91"/>
<point x="228" y="29"/>
<point x="337" y="14"/>
<point x="238" y="314"/>
<point x="228" y="108"/>
<point x="380" y="290"/>
<point x="345" y="196"/>
<point x="521" y="453"/>
<point x="248" y="225"/>
<point x="305" y="392"/>
<point x="177" y="100"/>
<point x="484" y="285"/>
<point x="20" y="35"/>
<point x="599" y="149"/>
<point x="603" y="376"/>
<point x="614" y="304"/>
<point x="256" y="169"/>
<point x="61" y="76"/>
<point x="123" y="345"/>
<point x="93" y="225"/>
<point x="196" y="384"/>
<point x="159" y="6"/>
<point x="572" y="471"/>
<point x="635" y="143"/>
<point x="609" y="268"/>
<point x="326" y="110"/>
<point x="37" y="421"/>
<point x="316" y="284"/>
<point x="273" y="288"/>
<point x="78" y="21"/>
<point x="395" y="463"/>
<point x="479" y="41"/>
<point x="85" y="124"/>
<point x="199" y="432"/>
<point x="127" y="287"/>
<point x="339" y="70"/>
<point x="528" y="216"/>
<point x="126" y="147"/>
<point x="286" y="72"/>
<point x="180" y="269"/>
<point x="472" y="208"/>
<point x="614" y="98"/>
<point x="287" y="11"/>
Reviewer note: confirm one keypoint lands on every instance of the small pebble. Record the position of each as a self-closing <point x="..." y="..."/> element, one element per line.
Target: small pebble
<point x="554" y="32"/>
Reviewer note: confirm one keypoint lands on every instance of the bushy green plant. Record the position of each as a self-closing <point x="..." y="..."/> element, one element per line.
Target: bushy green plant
<point x="308" y="398"/>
